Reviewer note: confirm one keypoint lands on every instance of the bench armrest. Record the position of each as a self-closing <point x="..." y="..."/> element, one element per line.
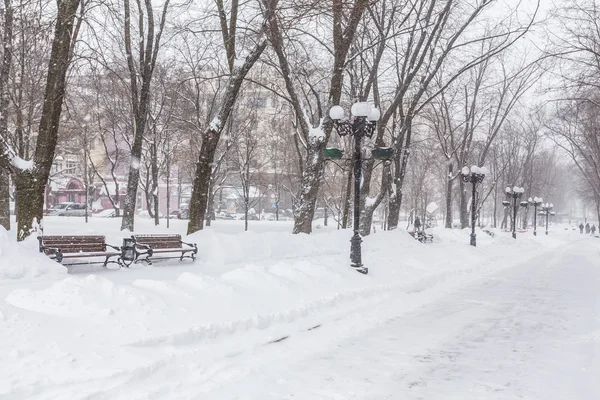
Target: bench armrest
<point x="114" y="247"/>
<point x="193" y="245"/>
<point x="143" y="246"/>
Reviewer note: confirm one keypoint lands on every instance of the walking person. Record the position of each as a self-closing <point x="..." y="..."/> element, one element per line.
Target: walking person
<point x="581" y="227"/>
<point x="587" y="228"/>
<point x="593" y="228"/>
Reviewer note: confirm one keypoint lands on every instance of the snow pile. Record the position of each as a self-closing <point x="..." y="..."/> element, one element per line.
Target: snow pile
<point x="107" y="332"/>
<point x="21" y="260"/>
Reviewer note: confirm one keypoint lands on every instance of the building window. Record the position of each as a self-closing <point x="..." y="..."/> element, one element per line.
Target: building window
<point x="71" y="167"/>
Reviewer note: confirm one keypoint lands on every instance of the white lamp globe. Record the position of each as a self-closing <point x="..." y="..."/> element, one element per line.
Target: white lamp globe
<point x="374" y="114"/>
<point x="336" y="112"/>
<point x="507" y="190"/>
<point x="465" y="170"/>
<point x="530" y="200"/>
<point x="551" y="205"/>
<point x="474" y="169"/>
<point x="361" y="109"/>
<point x="484" y="170"/>
<point x="515" y="189"/>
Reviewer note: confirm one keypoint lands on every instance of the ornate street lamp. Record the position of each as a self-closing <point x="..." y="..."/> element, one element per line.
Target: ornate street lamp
<point x="474" y="175"/>
<point x="547" y="208"/>
<point x="514" y="194"/>
<point x="363" y="123"/>
<point x="535" y="202"/>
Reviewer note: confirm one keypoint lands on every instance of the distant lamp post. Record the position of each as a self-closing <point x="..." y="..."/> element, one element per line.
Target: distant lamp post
<point x="474" y="175"/>
<point x="515" y="193"/>
<point x="547" y="208"/>
<point x="535" y="202"/>
<point x="363" y="123"/>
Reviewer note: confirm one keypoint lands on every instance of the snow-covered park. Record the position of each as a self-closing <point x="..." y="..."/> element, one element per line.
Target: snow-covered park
<point x="266" y="314"/>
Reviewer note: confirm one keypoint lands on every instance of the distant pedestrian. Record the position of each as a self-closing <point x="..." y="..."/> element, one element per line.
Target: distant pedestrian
<point x="593" y="229"/>
<point x="417" y="224"/>
<point x="581" y="227"/>
<point x="587" y="228"/>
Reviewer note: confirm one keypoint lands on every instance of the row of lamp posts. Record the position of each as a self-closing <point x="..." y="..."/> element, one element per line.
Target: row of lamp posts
<point x="363" y="124"/>
<point x="476" y="174"/>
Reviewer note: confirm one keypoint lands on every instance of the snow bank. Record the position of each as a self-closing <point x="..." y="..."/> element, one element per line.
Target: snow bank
<point x="100" y="324"/>
<point x="21" y="260"/>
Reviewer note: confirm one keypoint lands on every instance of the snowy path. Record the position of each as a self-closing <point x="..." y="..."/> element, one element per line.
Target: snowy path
<point x="527" y="332"/>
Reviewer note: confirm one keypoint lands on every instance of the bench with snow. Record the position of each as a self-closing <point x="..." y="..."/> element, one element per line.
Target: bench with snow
<point x="154" y="244"/>
<point x="421" y="236"/>
<point x="60" y="248"/>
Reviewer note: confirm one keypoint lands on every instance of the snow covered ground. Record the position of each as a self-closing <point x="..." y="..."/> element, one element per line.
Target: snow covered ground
<point x="269" y="315"/>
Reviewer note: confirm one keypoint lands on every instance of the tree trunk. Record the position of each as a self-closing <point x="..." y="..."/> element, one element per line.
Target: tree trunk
<point x="155" y="181"/>
<point x="210" y="209"/>
<point x="4" y="200"/>
<point x="201" y="187"/>
<point x="304" y="210"/>
<point x="395" y="198"/>
<point x="449" y="181"/>
<point x="464" y="208"/>
<point x="29" y="203"/>
<point x="31" y="183"/>
<point x="4" y="75"/>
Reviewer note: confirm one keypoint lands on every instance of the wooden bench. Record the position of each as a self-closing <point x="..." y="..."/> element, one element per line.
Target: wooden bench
<point x="60" y="248"/>
<point x="422" y="236"/>
<point x="154" y="244"/>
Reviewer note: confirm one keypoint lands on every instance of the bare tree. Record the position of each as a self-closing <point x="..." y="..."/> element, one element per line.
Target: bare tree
<point x="140" y="78"/>
<point x="30" y="179"/>
<point x="212" y="133"/>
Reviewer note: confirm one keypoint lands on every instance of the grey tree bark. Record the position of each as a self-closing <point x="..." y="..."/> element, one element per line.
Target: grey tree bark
<point x="4" y="75"/>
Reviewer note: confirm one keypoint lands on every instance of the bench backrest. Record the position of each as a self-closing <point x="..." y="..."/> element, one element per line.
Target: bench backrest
<point x="72" y="244"/>
<point x="165" y="241"/>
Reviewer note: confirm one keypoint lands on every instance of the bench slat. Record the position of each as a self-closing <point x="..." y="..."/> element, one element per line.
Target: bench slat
<point x="100" y="254"/>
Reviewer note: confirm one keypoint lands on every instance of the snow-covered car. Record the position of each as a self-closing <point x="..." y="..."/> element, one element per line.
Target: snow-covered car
<point x="68" y="210"/>
<point x="108" y="213"/>
<point x="146" y="214"/>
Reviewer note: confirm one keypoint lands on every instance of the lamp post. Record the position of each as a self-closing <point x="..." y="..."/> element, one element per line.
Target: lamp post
<point x="474" y="175"/>
<point x="514" y="194"/>
<point x="535" y="202"/>
<point x="547" y="208"/>
<point x="363" y="124"/>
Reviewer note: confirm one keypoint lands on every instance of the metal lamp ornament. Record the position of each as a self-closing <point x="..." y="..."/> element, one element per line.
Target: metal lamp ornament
<point x="363" y="123"/>
<point x="474" y="175"/>
<point x="515" y="193"/>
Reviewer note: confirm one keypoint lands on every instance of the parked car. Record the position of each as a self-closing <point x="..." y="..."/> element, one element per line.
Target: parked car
<point x="108" y="213"/>
<point x="68" y="210"/>
<point x="180" y="214"/>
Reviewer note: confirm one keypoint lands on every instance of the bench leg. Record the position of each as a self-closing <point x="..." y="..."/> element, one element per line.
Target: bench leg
<point x="146" y="259"/>
<point x="110" y="261"/>
<point x="192" y="255"/>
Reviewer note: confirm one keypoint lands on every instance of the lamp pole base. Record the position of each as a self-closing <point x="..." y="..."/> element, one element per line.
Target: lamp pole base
<point x="356" y="254"/>
<point x="473" y="239"/>
<point x="362" y="269"/>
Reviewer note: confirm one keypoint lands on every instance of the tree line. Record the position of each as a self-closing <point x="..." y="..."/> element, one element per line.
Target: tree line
<point x="164" y="86"/>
